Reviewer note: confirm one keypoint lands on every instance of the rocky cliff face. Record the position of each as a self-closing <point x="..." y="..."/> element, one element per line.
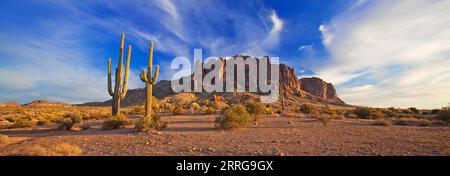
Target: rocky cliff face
<point x="319" y="88"/>
<point x="288" y="80"/>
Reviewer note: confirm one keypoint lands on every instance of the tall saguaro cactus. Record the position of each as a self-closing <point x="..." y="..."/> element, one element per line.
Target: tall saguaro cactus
<point x="119" y="92"/>
<point x="282" y="95"/>
<point x="149" y="82"/>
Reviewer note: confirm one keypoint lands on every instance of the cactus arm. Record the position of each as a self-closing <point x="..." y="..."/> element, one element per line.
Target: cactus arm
<point x="150" y="62"/>
<point x="110" y="91"/>
<point x="127" y="69"/>
<point x="155" y="78"/>
<point x="143" y="75"/>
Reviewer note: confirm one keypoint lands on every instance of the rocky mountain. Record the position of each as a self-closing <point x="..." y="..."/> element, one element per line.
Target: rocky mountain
<point x="9" y="104"/>
<point x="45" y="104"/>
<point x="314" y="89"/>
<point x="319" y="88"/>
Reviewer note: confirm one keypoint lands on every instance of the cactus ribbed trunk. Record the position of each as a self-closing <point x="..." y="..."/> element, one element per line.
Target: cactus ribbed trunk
<point x="148" y="102"/>
<point x="120" y="90"/>
<point x="282" y="97"/>
<point x="149" y="82"/>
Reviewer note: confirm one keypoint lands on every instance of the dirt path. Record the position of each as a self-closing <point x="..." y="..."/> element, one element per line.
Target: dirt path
<point x="196" y="135"/>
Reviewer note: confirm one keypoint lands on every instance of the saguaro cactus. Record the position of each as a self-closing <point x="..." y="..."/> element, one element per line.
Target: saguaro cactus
<point x="282" y="95"/>
<point x="149" y="82"/>
<point x="119" y="92"/>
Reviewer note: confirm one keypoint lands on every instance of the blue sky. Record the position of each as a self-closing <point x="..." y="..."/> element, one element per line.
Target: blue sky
<point x="377" y="53"/>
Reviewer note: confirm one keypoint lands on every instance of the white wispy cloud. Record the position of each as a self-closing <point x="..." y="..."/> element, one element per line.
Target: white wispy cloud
<point x="63" y="58"/>
<point x="392" y="53"/>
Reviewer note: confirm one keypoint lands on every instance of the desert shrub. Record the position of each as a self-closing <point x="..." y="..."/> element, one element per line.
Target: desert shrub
<point x="306" y="109"/>
<point x="414" y="110"/>
<point x="411" y="122"/>
<point x="407" y="111"/>
<point x="376" y="114"/>
<point x="435" y="111"/>
<point x="178" y="110"/>
<point x="390" y="114"/>
<point x="4" y="139"/>
<point x="139" y="110"/>
<point x="41" y="122"/>
<point x="255" y="109"/>
<point x="96" y="115"/>
<point x="347" y="114"/>
<point x="325" y="119"/>
<point x="148" y="124"/>
<point x="116" y="122"/>
<point x="444" y="114"/>
<point x="57" y="150"/>
<point x="166" y="107"/>
<point x="392" y="109"/>
<point x="382" y="122"/>
<point x="24" y="122"/>
<point x="268" y="110"/>
<point x="235" y="116"/>
<point x="368" y="113"/>
<point x="68" y="121"/>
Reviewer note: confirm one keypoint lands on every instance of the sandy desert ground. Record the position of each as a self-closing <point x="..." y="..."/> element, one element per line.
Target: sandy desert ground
<point x="273" y="135"/>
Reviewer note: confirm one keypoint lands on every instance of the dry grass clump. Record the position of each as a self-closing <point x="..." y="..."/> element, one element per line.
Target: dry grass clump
<point x="147" y="124"/>
<point x="411" y="122"/>
<point x="57" y="150"/>
<point x="325" y="119"/>
<point x="234" y="117"/>
<point x="116" y="122"/>
<point x="307" y="109"/>
<point x="382" y="122"/>
<point x="68" y="121"/>
<point x="368" y="113"/>
<point x="444" y="114"/>
<point x="255" y="109"/>
<point x="24" y="122"/>
<point x="4" y="139"/>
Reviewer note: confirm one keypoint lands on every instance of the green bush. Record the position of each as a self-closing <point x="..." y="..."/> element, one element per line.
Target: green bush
<point x="444" y="114"/>
<point x="147" y="124"/>
<point x="68" y="121"/>
<point x="235" y="116"/>
<point x="435" y="111"/>
<point x="116" y="122"/>
<point x="414" y="110"/>
<point x="306" y="109"/>
<point x="368" y="113"/>
<point x="255" y="109"/>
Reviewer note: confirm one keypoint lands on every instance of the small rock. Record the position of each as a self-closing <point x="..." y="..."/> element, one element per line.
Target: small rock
<point x="290" y="122"/>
